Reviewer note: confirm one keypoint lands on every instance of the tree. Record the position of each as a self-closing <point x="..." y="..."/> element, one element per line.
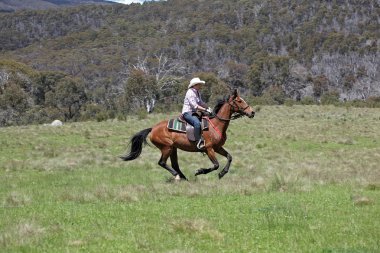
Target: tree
<point x="254" y="80"/>
<point x="14" y="97"/>
<point x="13" y="102"/>
<point x="140" y="91"/>
<point x="320" y="85"/>
<point x="236" y="73"/>
<point x="157" y="70"/>
<point x="43" y="83"/>
<point x="68" y="97"/>
<point x="159" y="65"/>
<point x="213" y="89"/>
<point x="170" y="90"/>
<point x="274" y="95"/>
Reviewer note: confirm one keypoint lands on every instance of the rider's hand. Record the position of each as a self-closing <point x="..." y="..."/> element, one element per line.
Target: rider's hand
<point x="209" y="110"/>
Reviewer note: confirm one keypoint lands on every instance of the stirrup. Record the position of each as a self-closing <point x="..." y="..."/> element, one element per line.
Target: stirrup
<point x="201" y="144"/>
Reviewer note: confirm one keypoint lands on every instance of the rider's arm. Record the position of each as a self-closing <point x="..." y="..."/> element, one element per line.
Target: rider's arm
<point x="202" y="106"/>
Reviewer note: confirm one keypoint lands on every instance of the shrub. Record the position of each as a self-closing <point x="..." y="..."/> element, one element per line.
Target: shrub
<point x="142" y="114"/>
<point x="330" y="98"/>
<point x="94" y="111"/>
<point x="36" y="115"/>
<point x="373" y="102"/>
<point x="275" y="95"/>
<point x="307" y="100"/>
<point x="320" y="85"/>
<point x="289" y="102"/>
<point x="121" y="116"/>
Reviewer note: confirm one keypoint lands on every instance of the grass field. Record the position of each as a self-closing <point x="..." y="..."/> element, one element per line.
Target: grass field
<point x="303" y="179"/>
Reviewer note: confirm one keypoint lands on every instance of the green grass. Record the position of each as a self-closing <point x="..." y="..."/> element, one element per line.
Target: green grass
<point x="303" y="179"/>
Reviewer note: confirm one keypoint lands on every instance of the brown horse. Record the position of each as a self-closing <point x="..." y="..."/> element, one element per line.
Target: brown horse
<point x="169" y="141"/>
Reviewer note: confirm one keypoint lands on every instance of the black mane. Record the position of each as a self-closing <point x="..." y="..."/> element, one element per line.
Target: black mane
<point x="220" y="103"/>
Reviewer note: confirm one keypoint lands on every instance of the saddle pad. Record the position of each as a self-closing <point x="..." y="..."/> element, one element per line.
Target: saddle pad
<point x="176" y="125"/>
<point x="179" y="126"/>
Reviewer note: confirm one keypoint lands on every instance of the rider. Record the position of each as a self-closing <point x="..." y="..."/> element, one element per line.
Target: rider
<point x="193" y="103"/>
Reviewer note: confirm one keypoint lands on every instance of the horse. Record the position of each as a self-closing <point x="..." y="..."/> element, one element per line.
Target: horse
<point x="231" y="107"/>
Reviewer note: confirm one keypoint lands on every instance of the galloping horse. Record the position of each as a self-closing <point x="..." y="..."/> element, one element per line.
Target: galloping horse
<point x="169" y="141"/>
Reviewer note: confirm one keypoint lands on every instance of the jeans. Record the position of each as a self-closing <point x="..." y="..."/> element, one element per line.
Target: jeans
<point x="194" y="121"/>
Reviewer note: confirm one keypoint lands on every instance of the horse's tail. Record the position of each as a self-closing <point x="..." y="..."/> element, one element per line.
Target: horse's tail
<point x="137" y="142"/>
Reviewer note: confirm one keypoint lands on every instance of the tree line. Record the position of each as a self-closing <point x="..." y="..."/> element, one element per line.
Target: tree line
<point x="28" y="96"/>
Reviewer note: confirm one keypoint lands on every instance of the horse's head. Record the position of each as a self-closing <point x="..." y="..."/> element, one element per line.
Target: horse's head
<point x="238" y="105"/>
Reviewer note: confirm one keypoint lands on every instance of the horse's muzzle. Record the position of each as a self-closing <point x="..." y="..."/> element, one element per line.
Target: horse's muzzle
<point x="251" y="114"/>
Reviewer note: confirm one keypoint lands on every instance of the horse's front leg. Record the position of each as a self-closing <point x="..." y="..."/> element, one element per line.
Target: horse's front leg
<point x="211" y="155"/>
<point x="224" y="153"/>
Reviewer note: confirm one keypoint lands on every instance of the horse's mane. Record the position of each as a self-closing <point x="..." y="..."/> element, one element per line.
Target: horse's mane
<point x="220" y="103"/>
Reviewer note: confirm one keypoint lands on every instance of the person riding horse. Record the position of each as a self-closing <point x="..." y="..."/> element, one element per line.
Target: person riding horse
<point x="168" y="142"/>
<point x="193" y="103"/>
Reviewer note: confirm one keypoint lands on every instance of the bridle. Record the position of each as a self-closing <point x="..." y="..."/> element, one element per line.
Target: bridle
<point x="235" y="110"/>
<point x="239" y="110"/>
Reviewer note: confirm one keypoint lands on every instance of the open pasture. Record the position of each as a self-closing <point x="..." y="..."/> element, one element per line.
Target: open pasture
<point x="302" y="179"/>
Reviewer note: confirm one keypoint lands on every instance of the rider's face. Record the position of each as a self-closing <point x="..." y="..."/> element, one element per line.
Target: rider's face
<point x="198" y="86"/>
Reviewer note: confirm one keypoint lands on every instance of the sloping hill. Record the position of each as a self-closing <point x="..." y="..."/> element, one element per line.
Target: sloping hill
<point x="295" y="49"/>
<point x="13" y="5"/>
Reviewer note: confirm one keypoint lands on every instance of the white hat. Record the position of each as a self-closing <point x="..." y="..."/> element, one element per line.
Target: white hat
<point x="195" y="81"/>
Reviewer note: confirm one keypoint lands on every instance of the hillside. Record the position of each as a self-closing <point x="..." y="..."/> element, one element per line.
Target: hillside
<point x="293" y="49"/>
<point x="14" y="5"/>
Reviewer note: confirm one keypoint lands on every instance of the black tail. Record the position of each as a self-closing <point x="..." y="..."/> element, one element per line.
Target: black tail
<point x="137" y="142"/>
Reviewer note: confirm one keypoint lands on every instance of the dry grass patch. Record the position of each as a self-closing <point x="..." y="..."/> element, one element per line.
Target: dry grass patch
<point x="199" y="227"/>
<point x="21" y="234"/>
<point x="77" y="243"/>
<point x="15" y="199"/>
<point x="82" y="197"/>
<point x="14" y="165"/>
<point x="179" y="251"/>
<point x="360" y="200"/>
<point x="129" y="193"/>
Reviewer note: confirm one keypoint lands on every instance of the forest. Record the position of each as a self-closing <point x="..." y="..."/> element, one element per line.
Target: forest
<point x="15" y="5"/>
<point x="106" y="61"/>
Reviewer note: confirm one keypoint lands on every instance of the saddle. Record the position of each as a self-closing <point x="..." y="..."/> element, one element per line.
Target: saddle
<point x="180" y="125"/>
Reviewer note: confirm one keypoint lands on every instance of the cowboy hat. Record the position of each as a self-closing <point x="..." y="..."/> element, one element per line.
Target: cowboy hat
<point x="195" y="81"/>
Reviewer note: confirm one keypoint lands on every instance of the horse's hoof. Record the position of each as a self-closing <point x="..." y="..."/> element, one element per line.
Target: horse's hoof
<point x="198" y="172"/>
<point x="177" y="178"/>
<point x="221" y="174"/>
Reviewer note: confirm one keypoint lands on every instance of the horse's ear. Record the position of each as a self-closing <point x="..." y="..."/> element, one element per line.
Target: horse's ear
<point x="235" y="93"/>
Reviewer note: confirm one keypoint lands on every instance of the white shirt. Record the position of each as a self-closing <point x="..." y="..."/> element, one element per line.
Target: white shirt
<point x="192" y="100"/>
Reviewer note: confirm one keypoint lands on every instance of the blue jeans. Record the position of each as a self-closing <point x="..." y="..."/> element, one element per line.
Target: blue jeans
<point x="194" y="121"/>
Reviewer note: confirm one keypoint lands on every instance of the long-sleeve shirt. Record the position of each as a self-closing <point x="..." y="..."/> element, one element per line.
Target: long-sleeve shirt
<point x="192" y="100"/>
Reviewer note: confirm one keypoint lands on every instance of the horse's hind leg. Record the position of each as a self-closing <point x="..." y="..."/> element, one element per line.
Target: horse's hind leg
<point x="166" y="152"/>
<point x="175" y="165"/>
